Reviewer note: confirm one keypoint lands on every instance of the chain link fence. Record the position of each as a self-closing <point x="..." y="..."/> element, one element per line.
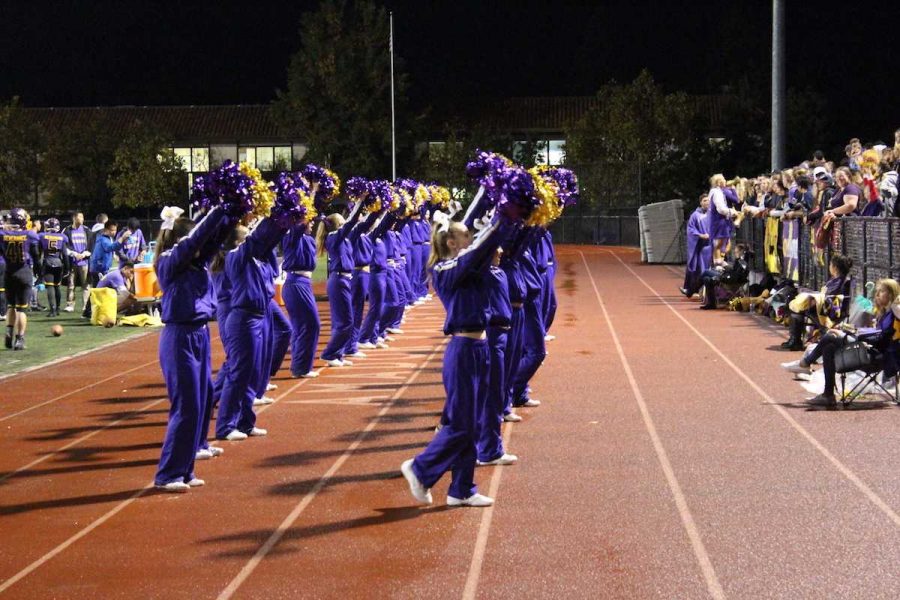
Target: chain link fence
<point x="597" y="229"/>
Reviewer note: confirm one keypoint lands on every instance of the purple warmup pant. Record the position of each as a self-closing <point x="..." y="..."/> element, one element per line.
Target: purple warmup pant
<point x="370" y="326"/>
<point x="465" y="375"/>
<point x="341" y="302"/>
<point x="422" y="274"/>
<point x="261" y="373"/>
<point x="534" y="351"/>
<point x="393" y="302"/>
<point x="301" y="306"/>
<point x="281" y="339"/>
<point x="244" y="346"/>
<point x="490" y="417"/>
<point x="359" y="290"/>
<point x="184" y="356"/>
<point x="414" y="270"/>
<point x="513" y="354"/>
<point x="548" y="297"/>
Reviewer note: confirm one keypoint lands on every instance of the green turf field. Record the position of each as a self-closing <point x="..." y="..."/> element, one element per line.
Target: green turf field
<point x="321" y="272"/>
<point x="78" y="335"/>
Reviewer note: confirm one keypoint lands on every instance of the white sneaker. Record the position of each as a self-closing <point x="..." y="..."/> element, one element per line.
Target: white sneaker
<point x="418" y="302"/>
<point x="216" y="451"/>
<point x="512" y="418"/>
<point x="334" y="362"/>
<point x="69" y="309"/>
<point x="416" y="488"/>
<point x="346" y="363"/>
<point x="366" y="345"/>
<point x="196" y="482"/>
<point x="358" y="355"/>
<point x="388" y="338"/>
<point x="257" y="432"/>
<point x="506" y="459"/>
<point x="310" y="375"/>
<point x="549" y="338"/>
<point x="176" y="487"/>
<point x="531" y="403"/>
<point x="429" y="296"/>
<point x="236" y="436"/>
<point x="382" y="346"/>
<point x="271" y="387"/>
<point x="203" y="454"/>
<point x="476" y="500"/>
<point x="794" y="367"/>
<point x="394" y="330"/>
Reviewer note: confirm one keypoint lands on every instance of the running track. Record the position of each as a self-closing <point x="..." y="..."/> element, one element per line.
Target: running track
<point x="671" y="459"/>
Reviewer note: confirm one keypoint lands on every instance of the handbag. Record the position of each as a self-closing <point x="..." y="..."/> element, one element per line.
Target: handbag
<point x="855" y="356"/>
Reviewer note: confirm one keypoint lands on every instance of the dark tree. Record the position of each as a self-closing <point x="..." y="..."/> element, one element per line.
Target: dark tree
<point x="338" y="91"/>
<point x="21" y="146"/>
<point x="145" y="172"/>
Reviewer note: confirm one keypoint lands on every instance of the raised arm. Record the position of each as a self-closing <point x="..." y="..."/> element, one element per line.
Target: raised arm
<point x="477" y="209"/>
<point x="363" y="227"/>
<point x="476" y="257"/>
<point x="203" y="237"/>
<point x="347" y="227"/>
<point x="382" y="228"/>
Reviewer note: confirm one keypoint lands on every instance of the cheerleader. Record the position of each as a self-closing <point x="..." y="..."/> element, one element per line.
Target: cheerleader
<point x="359" y="285"/>
<point x="299" y="249"/>
<point x="378" y="286"/>
<point x="720" y="217"/>
<point x="275" y="339"/>
<point x="533" y="344"/>
<point x="251" y="291"/>
<point x="459" y="279"/>
<point x="336" y="236"/>
<point x="490" y="418"/>
<point x="545" y="258"/>
<point x="394" y="298"/>
<point x="422" y="242"/>
<point x="183" y="254"/>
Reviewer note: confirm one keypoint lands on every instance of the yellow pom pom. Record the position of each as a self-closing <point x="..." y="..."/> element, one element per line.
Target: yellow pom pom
<point x="263" y="194"/>
<point x="550" y="207"/>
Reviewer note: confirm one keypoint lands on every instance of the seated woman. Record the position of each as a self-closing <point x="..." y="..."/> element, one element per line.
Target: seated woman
<point x="810" y="306"/>
<point x="732" y="274"/>
<point x="886" y="296"/>
<point x="122" y="281"/>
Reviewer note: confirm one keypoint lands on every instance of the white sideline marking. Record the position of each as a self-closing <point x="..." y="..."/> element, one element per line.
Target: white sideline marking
<point x="85" y="387"/>
<point x="484" y="528"/>
<point x="107" y="516"/>
<point x="841" y="467"/>
<point x="83" y="353"/>
<point x="83" y="438"/>
<point x="288" y="521"/>
<point x="687" y="519"/>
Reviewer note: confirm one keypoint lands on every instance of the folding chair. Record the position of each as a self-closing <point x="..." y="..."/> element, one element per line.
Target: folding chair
<point x="858" y="356"/>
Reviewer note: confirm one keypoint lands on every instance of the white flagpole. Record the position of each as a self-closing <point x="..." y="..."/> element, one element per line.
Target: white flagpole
<point x="393" y="130"/>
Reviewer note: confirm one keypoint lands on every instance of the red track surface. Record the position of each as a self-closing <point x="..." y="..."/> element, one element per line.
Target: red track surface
<point x="671" y="459"/>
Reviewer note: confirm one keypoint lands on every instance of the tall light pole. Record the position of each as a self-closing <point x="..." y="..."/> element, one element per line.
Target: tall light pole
<point x="778" y="91"/>
<point x="393" y="129"/>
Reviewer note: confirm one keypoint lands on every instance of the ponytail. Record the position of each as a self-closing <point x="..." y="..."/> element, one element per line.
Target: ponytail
<point x="326" y="226"/>
<point x="440" y="250"/>
<point x="167" y="238"/>
<point x="235" y="239"/>
<point x="320" y="238"/>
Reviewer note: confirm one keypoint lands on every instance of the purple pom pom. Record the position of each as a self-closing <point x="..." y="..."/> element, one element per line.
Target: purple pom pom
<point x="287" y="210"/>
<point x="225" y="186"/>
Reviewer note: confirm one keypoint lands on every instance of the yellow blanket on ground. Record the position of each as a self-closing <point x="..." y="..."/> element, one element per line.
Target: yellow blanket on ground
<point x="141" y="321"/>
<point x="773" y="261"/>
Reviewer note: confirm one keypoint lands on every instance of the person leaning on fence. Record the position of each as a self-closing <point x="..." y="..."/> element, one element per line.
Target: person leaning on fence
<point x="720" y="217"/>
<point x="881" y="339"/>
<point x="840" y="285"/>
<point x="732" y="274"/>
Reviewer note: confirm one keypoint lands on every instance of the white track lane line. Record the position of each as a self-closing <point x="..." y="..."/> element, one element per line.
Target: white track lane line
<point x="107" y="516"/>
<point x="841" y="467"/>
<point x="288" y="521"/>
<point x="484" y="529"/>
<point x="687" y="519"/>
<point x="82" y="388"/>
<point x="83" y="438"/>
<point x="76" y="356"/>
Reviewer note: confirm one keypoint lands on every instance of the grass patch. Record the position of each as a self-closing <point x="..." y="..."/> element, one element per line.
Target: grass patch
<point x="78" y="335"/>
<point x="321" y="272"/>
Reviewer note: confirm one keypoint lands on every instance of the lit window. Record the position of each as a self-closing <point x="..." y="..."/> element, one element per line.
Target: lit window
<point x="541" y="153"/>
<point x="184" y="155"/>
<point x="265" y="156"/>
<point x="282" y="158"/>
<point x="247" y="155"/>
<point x="557" y="152"/>
<point x="199" y="160"/>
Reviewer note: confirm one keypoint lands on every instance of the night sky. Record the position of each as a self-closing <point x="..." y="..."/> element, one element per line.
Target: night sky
<point x="96" y="52"/>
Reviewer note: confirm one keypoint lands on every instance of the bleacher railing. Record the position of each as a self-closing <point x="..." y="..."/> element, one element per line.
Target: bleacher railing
<point x="873" y="243"/>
